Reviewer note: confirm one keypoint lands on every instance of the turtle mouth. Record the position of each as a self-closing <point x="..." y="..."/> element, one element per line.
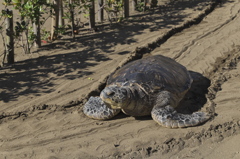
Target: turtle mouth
<point x="108" y="101"/>
<point x="114" y="107"/>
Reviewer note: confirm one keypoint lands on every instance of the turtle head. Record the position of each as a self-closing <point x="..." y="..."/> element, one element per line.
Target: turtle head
<point x="115" y="97"/>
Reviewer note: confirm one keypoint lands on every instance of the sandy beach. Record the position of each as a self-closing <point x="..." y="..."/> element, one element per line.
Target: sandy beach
<point x="42" y="94"/>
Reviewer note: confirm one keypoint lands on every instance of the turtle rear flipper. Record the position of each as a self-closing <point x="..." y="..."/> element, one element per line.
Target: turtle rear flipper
<point x="168" y="117"/>
<point x="164" y="114"/>
<point x="96" y="109"/>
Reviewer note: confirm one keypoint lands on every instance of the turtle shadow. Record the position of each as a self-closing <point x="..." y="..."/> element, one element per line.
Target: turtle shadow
<point x="121" y="115"/>
<point x="195" y="98"/>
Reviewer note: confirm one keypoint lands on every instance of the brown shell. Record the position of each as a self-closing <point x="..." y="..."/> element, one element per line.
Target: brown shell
<point x="154" y="73"/>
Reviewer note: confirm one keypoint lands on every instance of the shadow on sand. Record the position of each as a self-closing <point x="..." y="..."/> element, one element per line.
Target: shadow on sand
<point x="32" y="76"/>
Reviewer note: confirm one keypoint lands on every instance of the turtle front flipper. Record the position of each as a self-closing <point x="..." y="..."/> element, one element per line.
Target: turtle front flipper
<point x="96" y="109"/>
<point x="167" y="116"/>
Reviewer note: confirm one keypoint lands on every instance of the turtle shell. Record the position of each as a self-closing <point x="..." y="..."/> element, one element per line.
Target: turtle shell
<point x="154" y="73"/>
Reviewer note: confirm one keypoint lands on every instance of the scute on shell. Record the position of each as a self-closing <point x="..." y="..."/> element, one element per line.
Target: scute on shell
<point x="154" y="73"/>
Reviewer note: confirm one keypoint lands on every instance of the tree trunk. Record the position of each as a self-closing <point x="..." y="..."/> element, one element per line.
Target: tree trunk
<point x="9" y="38"/>
<point x="92" y="15"/>
<point x="100" y="13"/>
<point x="126" y="8"/>
<point x="37" y="33"/>
<point x="61" y="20"/>
<point x="72" y="18"/>
<point x="55" y="20"/>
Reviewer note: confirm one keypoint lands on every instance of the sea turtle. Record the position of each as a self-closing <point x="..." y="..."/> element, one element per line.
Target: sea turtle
<point x="153" y="85"/>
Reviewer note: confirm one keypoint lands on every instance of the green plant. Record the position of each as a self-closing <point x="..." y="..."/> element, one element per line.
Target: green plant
<point x="62" y="29"/>
<point x="28" y="28"/>
<point x="140" y="6"/>
<point x="113" y="8"/>
<point x="45" y="35"/>
<point x="79" y="7"/>
<point x="23" y="30"/>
